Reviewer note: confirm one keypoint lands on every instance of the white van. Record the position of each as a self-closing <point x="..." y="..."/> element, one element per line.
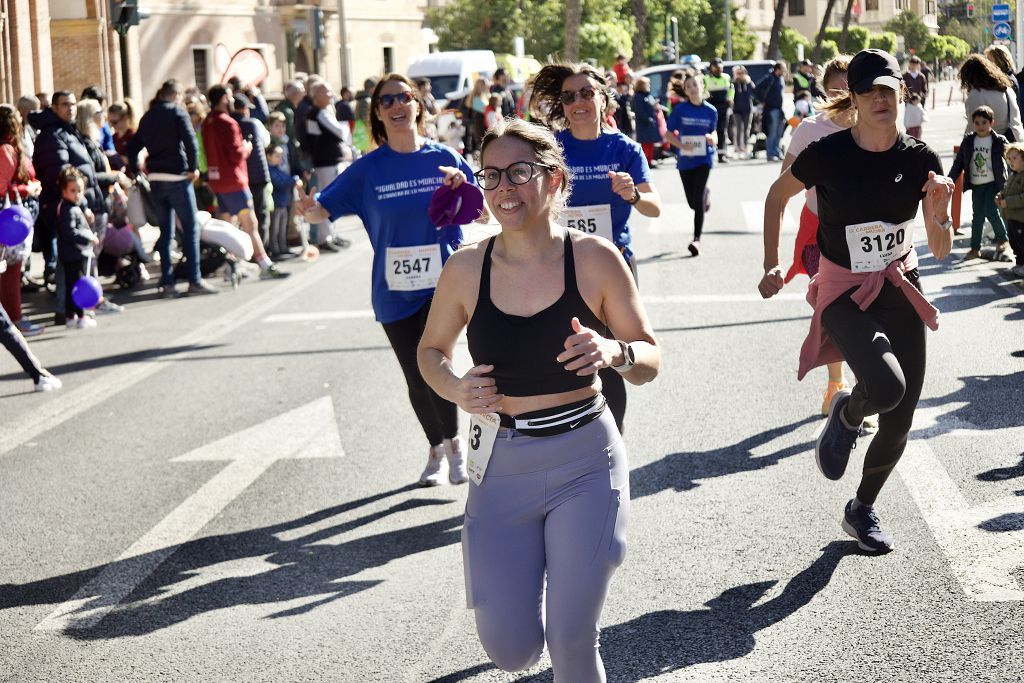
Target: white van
<point x="452" y="74"/>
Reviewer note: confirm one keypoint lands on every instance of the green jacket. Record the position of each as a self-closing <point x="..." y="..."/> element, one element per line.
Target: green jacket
<point x="719" y="88"/>
<point x="1013" y="193"/>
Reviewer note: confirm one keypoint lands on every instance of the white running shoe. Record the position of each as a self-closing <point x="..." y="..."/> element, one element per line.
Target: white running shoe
<point x="48" y="383"/>
<point x="86" y="323"/>
<point x="455" y="449"/>
<point x="432" y="472"/>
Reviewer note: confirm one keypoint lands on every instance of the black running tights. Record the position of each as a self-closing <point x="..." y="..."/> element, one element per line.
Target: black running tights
<point x="885" y="348"/>
<point x="438" y="417"/>
<point x="694" y="182"/>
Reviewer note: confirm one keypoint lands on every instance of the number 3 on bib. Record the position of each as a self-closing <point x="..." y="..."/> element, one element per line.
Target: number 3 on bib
<point x="483" y="429"/>
<point x="592" y="220"/>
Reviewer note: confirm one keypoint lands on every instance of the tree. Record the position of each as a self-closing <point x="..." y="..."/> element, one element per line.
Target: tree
<point x="966" y="31"/>
<point x="701" y="29"/>
<point x="573" y="15"/>
<point x="640" y="34"/>
<point x="825" y="18"/>
<point x="886" y="40"/>
<point x="789" y="39"/>
<point x="914" y="31"/>
<point x="776" y="34"/>
<point x="603" y="41"/>
<point x="846" y="25"/>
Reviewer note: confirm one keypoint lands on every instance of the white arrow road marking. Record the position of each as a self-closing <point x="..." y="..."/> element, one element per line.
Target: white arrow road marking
<point x="310" y="431"/>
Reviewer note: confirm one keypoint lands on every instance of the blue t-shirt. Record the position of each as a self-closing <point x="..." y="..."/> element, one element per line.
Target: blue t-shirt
<point x="590" y="161"/>
<point x="390" y="192"/>
<point x="689" y="119"/>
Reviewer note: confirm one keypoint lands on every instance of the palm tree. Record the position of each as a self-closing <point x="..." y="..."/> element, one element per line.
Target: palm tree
<point x="773" y="43"/>
<point x="816" y="54"/>
<point x="639" y="37"/>
<point x="573" y="13"/>
<point x="846" y="26"/>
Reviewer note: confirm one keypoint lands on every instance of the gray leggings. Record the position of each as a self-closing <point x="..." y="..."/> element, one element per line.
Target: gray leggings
<point x="556" y="503"/>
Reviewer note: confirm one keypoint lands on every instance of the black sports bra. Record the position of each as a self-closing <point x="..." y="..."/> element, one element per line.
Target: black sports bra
<point x="522" y="349"/>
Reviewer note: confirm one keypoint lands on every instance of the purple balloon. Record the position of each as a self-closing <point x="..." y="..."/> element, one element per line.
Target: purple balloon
<point x="87" y="292"/>
<point x="15" y="225"/>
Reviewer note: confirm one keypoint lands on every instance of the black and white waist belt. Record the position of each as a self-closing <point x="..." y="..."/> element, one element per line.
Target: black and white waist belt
<point x="558" y="420"/>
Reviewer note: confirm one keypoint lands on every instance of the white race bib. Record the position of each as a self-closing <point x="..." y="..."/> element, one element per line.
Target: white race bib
<point x="412" y="268"/>
<point x="592" y="220"/>
<point x="873" y="246"/>
<point x="693" y="146"/>
<point x="483" y="429"/>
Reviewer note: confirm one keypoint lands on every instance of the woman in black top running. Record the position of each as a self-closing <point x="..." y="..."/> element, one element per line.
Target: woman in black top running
<point x="550" y="493"/>
<point x="868" y="307"/>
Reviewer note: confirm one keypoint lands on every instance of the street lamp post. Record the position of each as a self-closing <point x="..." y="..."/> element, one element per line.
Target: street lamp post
<point x="728" y="29"/>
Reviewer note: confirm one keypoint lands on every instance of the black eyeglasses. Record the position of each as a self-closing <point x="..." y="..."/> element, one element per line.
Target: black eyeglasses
<point x="569" y="96"/>
<point x="518" y="173"/>
<point x="387" y="101"/>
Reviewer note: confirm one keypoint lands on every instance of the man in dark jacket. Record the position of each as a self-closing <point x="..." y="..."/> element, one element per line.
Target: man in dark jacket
<point x="769" y="93"/>
<point x="256" y="164"/>
<point x="59" y="144"/>
<point x="165" y="131"/>
<point x="500" y="88"/>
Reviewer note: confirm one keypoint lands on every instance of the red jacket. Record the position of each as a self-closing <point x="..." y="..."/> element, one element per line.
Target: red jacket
<point x="9" y="184"/>
<point x="225" y="154"/>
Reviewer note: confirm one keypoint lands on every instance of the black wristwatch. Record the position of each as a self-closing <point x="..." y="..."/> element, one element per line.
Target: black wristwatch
<point x="628" y="358"/>
<point x="636" y="196"/>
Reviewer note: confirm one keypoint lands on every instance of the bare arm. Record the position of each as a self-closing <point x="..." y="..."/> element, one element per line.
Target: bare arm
<point x="935" y="207"/>
<point x="784" y="187"/>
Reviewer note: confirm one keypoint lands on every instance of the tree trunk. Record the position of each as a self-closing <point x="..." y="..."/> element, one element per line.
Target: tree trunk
<point x="773" y="43"/>
<point x="846" y="26"/>
<point x="573" y="13"/>
<point x="640" y="37"/>
<point x="825" y="20"/>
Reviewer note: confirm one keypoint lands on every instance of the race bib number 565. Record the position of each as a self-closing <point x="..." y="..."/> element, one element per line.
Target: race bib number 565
<point x="412" y="268"/>
<point x="593" y="220"/>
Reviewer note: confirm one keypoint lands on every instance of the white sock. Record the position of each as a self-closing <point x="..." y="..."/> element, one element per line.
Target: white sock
<point x="265" y="262"/>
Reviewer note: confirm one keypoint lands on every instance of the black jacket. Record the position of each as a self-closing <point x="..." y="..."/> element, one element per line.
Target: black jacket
<point x="962" y="163"/>
<point x="74" y="236"/>
<point x="259" y="172"/>
<point x="769" y="91"/>
<point x="165" y="131"/>
<point x="59" y="144"/>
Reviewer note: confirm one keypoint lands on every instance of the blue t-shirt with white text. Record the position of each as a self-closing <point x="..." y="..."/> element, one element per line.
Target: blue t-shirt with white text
<point x="390" y="192"/>
<point x="689" y="119"/>
<point x="589" y="163"/>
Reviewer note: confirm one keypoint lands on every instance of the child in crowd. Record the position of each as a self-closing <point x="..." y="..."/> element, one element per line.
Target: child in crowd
<point x="292" y="167"/>
<point x="284" y="186"/>
<point x="913" y="116"/>
<point x="981" y="156"/>
<point x="1011" y="201"/>
<point x="803" y="106"/>
<point x="75" y="240"/>
<point x="492" y="114"/>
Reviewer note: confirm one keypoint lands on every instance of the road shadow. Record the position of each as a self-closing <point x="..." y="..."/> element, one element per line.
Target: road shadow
<point x="1011" y="521"/>
<point x="139" y="356"/>
<point x="305" y="567"/>
<point x="682" y="471"/>
<point x="990" y="402"/>
<point x="1003" y="473"/>
<point x="669" y="640"/>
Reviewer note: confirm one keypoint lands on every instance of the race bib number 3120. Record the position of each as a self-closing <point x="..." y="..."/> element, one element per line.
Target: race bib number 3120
<point x="873" y="246"/>
<point x="412" y="268"/>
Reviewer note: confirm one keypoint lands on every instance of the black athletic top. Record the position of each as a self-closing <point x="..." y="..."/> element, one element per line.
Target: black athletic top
<point x="858" y="186"/>
<point x="522" y="349"/>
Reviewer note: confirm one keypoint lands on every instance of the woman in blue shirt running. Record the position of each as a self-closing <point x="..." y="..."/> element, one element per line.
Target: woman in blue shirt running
<point x="610" y="175"/>
<point x="691" y="129"/>
<point x="390" y="189"/>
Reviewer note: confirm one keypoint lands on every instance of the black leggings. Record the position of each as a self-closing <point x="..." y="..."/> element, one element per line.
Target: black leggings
<point x="723" y="127"/>
<point x="1015" y="231"/>
<point x="694" y="182"/>
<point x="73" y="271"/>
<point x="11" y="339"/>
<point x="885" y="348"/>
<point x="438" y="417"/>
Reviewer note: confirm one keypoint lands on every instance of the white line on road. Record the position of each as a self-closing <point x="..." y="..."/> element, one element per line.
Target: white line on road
<point x="982" y="561"/>
<point x="319" y="315"/>
<point x="71" y="404"/>
<point x="310" y="431"/>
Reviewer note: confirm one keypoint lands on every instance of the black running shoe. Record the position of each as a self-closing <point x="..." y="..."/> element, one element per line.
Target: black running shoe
<point x="862" y="524"/>
<point x="836" y="440"/>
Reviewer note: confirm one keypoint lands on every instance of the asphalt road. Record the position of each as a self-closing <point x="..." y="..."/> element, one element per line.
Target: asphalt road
<point x="222" y="490"/>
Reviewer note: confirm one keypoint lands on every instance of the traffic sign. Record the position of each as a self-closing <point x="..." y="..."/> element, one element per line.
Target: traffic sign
<point x="1001" y="31"/>
<point x="1000" y="13"/>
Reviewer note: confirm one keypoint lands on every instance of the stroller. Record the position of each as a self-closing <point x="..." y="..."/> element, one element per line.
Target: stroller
<point x="121" y="253"/>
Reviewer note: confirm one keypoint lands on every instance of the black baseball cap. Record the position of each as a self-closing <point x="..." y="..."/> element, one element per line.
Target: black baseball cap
<point x="716" y="60"/>
<point x="874" y="67"/>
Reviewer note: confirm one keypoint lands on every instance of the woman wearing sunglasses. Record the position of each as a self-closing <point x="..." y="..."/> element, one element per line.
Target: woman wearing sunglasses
<point x="550" y="491"/>
<point x="390" y="189"/>
<point x="610" y="175"/>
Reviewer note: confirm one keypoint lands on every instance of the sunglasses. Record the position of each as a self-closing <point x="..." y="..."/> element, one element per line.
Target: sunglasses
<point x="518" y="173"/>
<point x="568" y="96"/>
<point x="387" y="101"/>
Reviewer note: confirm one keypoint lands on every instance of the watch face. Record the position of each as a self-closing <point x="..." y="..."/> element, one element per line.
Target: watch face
<point x="630" y="356"/>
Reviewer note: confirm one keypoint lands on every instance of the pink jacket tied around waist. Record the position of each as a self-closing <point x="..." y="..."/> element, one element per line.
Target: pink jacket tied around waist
<point x="832" y="281"/>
